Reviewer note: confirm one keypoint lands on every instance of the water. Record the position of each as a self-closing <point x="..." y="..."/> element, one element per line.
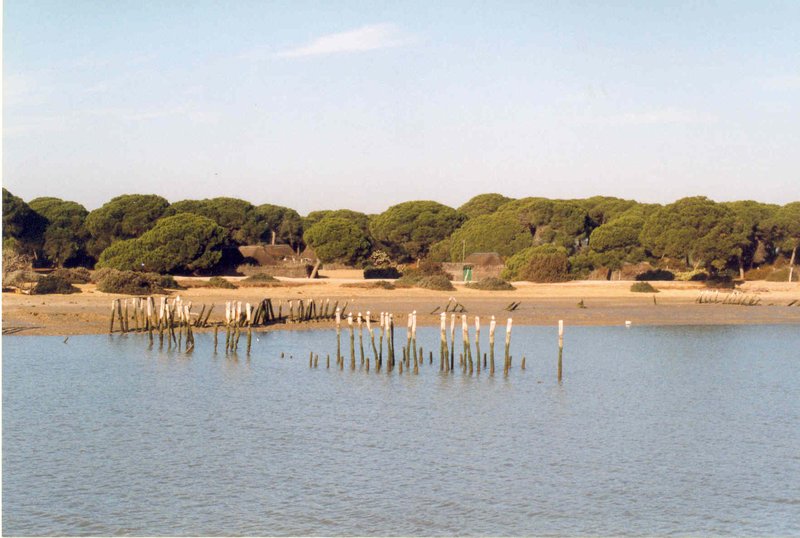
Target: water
<point x="655" y="430"/>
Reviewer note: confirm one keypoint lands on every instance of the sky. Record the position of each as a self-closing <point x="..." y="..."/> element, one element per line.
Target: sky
<point x="324" y="105"/>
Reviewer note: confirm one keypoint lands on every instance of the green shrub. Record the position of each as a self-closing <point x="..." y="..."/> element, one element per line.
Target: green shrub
<point x="545" y="263"/>
<point x="435" y="282"/>
<point x="53" y="284"/>
<point x="760" y="273"/>
<point x="691" y="276"/>
<point x="76" y="275"/>
<point x="378" y="284"/>
<point x="128" y="282"/>
<point x="219" y="282"/>
<point x="721" y="281"/>
<point x="167" y="281"/>
<point x="491" y="284"/>
<point x="782" y="275"/>
<point x="643" y="287"/>
<point x="381" y="272"/>
<point x="260" y="277"/>
<point x="656" y="274"/>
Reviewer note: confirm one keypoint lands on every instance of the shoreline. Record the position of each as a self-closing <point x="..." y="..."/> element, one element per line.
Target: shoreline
<point x="607" y="303"/>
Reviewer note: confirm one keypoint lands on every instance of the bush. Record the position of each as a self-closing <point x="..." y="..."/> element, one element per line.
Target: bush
<point x="760" y="273"/>
<point x="219" y="282"/>
<point x="656" y="274"/>
<point x="77" y="275"/>
<point x="53" y="284"/>
<point x="491" y="284"/>
<point x="167" y="281"/>
<point x="694" y="275"/>
<point x="128" y="282"/>
<point x="381" y="272"/>
<point x="721" y="281"/>
<point x="643" y="287"/>
<point x="260" y="278"/>
<point x="435" y="282"/>
<point x="547" y="267"/>
<point x="378" y="284"/>
<point x="782" y="275"/>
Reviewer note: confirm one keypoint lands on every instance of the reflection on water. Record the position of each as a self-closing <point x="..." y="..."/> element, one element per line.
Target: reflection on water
<point x="671" y="430"/>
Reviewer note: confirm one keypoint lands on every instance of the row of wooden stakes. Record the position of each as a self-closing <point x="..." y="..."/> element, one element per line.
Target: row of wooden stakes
<point x="735" y="297"/>
<point x="140" y="314"/>
<point x="413" y="356"/>
<point x="175" y="319"/>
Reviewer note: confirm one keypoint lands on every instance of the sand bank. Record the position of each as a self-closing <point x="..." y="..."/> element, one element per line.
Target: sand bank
<point x="606" y="303"/>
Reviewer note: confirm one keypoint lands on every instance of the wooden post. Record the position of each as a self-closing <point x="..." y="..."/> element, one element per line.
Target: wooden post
<point x="390" y="345"/>
<point x="508" y="346"/>
<point x="383" y="333"/>
<point x="352" y="342"/>
<point x="443" y="362"/>
<point x="465" y="344"/>
<point x="407" y="351"/>
<point x="417" y="358"/>
<point x="372" y="338"/>
<point x="338" y="336"/>
<point x="361" y="336"/>
<point x="452" y="341"/>
<point x="478" y="343"/>
<point x="113" y="310"/>
<point x="560" y="346"/>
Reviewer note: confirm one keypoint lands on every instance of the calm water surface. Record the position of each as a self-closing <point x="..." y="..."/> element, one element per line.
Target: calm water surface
<point x="655" y="430"/>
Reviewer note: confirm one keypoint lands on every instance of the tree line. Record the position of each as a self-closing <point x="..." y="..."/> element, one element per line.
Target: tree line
<point x="146" y="232"/>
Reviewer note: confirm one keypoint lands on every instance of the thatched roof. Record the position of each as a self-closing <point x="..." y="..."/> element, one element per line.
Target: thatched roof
<point x="308" y="254"/>
<point x="484" y="258"/>
<point x="268" y="254"/>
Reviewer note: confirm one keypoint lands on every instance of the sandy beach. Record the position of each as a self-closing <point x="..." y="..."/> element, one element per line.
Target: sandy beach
<point x="606" y="303"/>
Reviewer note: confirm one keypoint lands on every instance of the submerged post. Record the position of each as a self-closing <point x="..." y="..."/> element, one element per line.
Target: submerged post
<point x="478" y="343"/>
<point x="508" y="346"/>
<point x="452" y="341"/>
<point x="444" y="363"/>
<point x="560" y="346"/>
<point x="338" y="335"/>
<point x="361" y="336"/>
<point x="352" y="342"/>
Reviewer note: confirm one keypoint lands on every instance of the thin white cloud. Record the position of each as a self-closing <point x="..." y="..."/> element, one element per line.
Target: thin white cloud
<point x="790" y="82"/>
<point x="366" y="38"/>
<point x="664" y="116"/>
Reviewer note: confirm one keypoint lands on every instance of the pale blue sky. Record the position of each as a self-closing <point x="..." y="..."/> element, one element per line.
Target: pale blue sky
<point x="365" y="104"/>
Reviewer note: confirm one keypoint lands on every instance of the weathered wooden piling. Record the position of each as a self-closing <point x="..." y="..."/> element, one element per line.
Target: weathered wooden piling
<point x="390" y="342"/>
<point x="464" y="343"/>
<point x="560" y="346"/>
<point x="352" y="342"/>
<point x="361" y="336"/>
<point x="444" y="363"/>
<point x="338" y="336"/>
<point x="508" y="346"/>
<point x="452" y="341"/>
<point x="372" y="337"/>
<point x="113" y="311"/>
<point x="478" y="343"/>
